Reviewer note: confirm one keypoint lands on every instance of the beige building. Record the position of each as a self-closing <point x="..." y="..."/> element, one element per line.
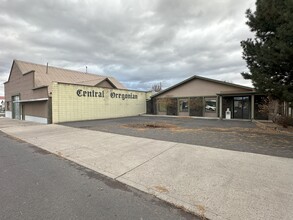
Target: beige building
<point x="204" y="97"/>
<point x="47" y="94"/>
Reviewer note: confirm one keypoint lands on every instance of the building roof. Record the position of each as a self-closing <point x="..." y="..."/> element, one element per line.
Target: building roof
<point x="201" y="78"/>
<point x="44" y="75"/>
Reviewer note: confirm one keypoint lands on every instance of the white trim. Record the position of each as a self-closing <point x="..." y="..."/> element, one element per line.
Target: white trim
<point x="36" y="119"/>
<point x="8" y="114"/>
<point x="32" y="100"/>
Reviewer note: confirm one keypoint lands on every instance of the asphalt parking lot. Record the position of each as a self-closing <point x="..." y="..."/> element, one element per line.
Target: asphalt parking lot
<point x="245" y="136"/>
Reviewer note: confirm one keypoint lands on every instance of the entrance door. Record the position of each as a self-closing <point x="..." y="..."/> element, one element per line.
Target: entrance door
<point x="183" y="107"/>
<point x="15" y="107"/>
<point x="241" y="106"/>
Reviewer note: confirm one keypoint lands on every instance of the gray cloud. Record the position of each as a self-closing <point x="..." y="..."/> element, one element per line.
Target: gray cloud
<point x="138" y="42"/>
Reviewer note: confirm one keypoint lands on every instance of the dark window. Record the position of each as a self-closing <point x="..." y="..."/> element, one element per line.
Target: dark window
<point x="227" y="103"/>
<point x="8" y="106"/>
<point x="183" y="105"/>
<point x="211" y="104"/>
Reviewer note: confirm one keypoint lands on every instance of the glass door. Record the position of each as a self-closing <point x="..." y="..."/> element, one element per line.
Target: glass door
<point x="15" y="107"/>
<point x="183" y="107"/>
<point x="241" y="107"/>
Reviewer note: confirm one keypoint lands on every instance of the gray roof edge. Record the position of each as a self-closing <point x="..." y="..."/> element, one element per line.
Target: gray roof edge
<point x="111" y="78"/>
<point x="202" y="78"/>
<point x="13" y="62"/>
<point x="61" y="68"/>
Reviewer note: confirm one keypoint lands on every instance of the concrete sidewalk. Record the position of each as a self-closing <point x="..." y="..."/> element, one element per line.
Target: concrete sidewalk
<point x="215" y="183"/>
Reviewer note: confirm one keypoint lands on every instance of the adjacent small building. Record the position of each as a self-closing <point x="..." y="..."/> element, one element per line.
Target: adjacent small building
<point x="2" y="105"/>
<point x="204" y="97"/>
<point x="47" y="94"/>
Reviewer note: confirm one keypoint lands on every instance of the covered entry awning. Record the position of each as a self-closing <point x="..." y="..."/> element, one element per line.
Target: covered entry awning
<point x="31" y="100"/>
<point x="225" y="93"/>
<point x="240" y="103"/>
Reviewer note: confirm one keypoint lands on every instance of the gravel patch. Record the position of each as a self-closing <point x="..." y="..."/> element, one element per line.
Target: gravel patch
<point x="245" y="136"/>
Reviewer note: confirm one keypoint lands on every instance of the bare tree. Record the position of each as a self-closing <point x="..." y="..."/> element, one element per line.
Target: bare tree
<point x="157" y="87"/>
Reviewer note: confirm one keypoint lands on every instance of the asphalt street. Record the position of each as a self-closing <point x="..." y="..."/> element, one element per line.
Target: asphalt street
<point x="35" y="184"/>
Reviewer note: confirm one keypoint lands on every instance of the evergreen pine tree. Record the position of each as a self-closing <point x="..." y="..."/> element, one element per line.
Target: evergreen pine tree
<point x="269" y="56"/>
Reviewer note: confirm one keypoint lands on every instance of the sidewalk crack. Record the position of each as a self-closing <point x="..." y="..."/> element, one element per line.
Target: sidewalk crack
<point x="145" y="161"/>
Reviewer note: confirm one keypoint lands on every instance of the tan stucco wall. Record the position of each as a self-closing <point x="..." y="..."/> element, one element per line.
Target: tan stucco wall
<point x="198" y="87"/>
<point x="68" y="106"/>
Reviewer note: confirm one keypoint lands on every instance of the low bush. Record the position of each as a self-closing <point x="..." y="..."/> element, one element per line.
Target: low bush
<point x="284" y="121"/>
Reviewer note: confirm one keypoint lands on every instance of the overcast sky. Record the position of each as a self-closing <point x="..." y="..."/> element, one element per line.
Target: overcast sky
<point x="140" y="42"/>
